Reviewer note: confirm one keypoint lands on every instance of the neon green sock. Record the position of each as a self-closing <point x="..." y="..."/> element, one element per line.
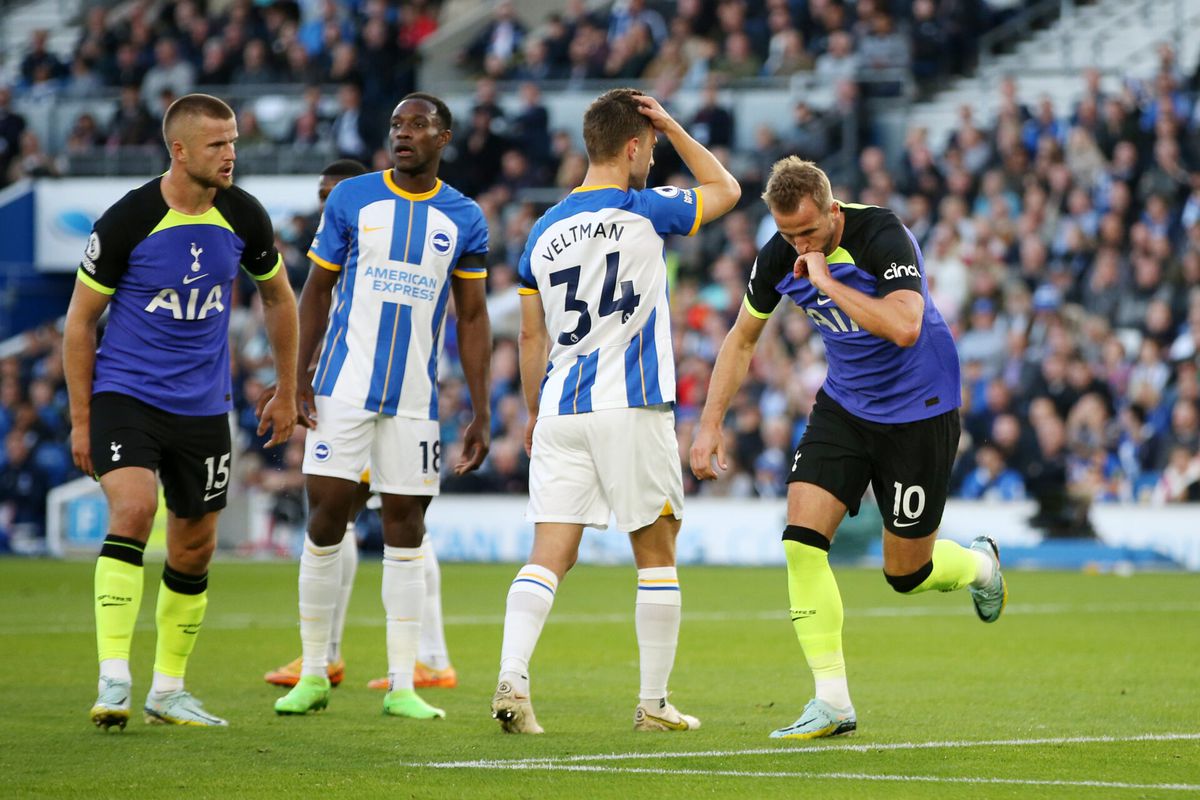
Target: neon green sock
<point x="816" y="610"/>
<point x="954" y="566"/>
<point x="179" y="614"/>
<point x="118" y="595"/>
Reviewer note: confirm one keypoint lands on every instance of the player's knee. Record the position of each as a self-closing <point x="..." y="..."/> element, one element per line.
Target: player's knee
<point x="192" y="558"/>
<point x="906" y="583"/>
<point x="132" y="515"/>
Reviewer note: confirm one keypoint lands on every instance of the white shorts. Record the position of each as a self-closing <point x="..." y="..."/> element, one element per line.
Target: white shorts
<point x="623" y="461"/>
<point x="404" y="454"/>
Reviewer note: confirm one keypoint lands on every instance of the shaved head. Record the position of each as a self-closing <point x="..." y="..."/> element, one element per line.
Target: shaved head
<point x="189" y="108"/>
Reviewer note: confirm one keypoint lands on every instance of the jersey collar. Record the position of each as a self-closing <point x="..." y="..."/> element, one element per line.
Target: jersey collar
<point x="596" y="188"/>
<point x="391" y="184"/>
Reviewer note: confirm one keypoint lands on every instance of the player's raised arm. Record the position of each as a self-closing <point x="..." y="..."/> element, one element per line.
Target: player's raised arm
<point x="79" y="363"/>
<point x="719" y="190"/>
<point x="730" y="370"/>
<point x="475" y="351"/>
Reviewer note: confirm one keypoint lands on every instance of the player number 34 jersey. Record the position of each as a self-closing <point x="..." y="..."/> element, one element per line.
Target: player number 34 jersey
<point x="597" y="260"/>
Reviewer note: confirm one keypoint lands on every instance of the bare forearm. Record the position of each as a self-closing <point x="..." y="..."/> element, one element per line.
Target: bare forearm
<point x="475" y="352"/>
<point x="79" y="364"/>
<point x="703" y="164"/>
<point x="728" y="373"/>
<point x="534" y="352"/>
<point x="283" y="334"/>
<point x="314" y="317"/>
<point x="899" y="323"/>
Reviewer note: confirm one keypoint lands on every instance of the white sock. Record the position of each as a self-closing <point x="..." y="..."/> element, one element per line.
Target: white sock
<point x="431" y="651"/>
<point x="166" y="683"/>
<point x="835" y="692"/>
<point x="403" y="597"/>
<point x="115" y="669"/>
<point x="320" y="581"/>
<point x="349" y="568"/>
<point x="831" y="686"/>
<point x="986" y="567"/>
<point x="657" y="620"/>
<point x="530" y="598"/>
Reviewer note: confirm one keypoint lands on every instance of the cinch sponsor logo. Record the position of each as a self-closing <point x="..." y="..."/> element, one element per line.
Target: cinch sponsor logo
<point x="901" y="270"/>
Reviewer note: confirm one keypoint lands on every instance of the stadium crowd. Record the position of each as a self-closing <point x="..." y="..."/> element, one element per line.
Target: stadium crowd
<point x="149" y="53"/>
<point x="1061" y="244"/>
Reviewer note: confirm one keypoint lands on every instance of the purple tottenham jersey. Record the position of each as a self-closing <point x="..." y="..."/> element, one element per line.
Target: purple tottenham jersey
<point x="170" y="276"/>
<point x="870" y="377"/>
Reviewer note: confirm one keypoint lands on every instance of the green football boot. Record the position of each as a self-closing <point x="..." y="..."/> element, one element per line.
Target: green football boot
<point x="311" y="693"/>
<point x="406" y="703"/>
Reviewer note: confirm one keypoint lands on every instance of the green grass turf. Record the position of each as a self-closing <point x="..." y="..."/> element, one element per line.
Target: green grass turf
<point x="1075" y="656"/>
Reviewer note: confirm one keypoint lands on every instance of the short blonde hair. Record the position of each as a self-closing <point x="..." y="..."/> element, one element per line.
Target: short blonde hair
<point x="793" y="179"/>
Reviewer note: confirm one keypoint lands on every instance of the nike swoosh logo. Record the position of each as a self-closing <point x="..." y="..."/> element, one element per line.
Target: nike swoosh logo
<point x="824" y="300"/>
<point x="898" y="524"/>
<point x="208" y="497"/>
<point x="193" y="278"/>
<point x="370" y="229"/>
<point x="675" y="726"/>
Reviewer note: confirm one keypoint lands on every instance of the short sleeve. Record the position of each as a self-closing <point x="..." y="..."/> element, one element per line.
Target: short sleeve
<point x="527" y="283"/>
<point x="260" y="258"/>
<point x="332" y="240"/>
<point x="762" y="293"/>
<point x="475" y="243"/>
<point x="106" y="257"/>
<point x="674" y="210"/>
<point x="892" y="259"/>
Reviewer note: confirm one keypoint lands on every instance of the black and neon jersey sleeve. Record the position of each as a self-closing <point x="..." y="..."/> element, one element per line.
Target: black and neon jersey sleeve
<point x="253" y="226"/>
<point x="119" y="229"/>
<point x="888" y="254"/>
<point x="762" y="293"/>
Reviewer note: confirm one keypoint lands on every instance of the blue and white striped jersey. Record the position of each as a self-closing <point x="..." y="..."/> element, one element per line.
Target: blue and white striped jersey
<point x="597" y="259"/>
<point x="396" y="252"/>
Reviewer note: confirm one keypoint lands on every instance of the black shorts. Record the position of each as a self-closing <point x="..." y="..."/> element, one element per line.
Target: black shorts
<point x="190" y="454"/>
<point x="908" y="464"/>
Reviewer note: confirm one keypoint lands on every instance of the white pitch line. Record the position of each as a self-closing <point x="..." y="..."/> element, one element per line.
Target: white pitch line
<point x="784" y="749"/>
<point x="275" y="621"/>
<point x="853" y="776"/>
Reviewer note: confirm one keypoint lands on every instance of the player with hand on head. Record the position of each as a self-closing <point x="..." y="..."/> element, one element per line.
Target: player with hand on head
<point x="598" y="373"/>
<point x="433" y="668"/>
<point x="390" y="248"/>
<point x="887" y="415"/>
<point x="153" y="401"/>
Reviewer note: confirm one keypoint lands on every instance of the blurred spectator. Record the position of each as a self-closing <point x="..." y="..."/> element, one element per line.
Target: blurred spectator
<point x="256" y="67"/>
<point x="132" y="123"/>
<point x="12" y="125"/>
<point x="39" y="59"/>
<point x="992" y="479"/>
<point x="31" y="160"/>
<point x="169" y="72"/>
<point x="712" y="124"/>
<point x="23" y="489"/>
<point x="351" y="131"/>
<point x="495" y="48"/>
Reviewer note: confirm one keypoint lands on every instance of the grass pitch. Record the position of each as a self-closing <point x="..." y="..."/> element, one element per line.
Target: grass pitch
<point x="1089" y="687"/>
